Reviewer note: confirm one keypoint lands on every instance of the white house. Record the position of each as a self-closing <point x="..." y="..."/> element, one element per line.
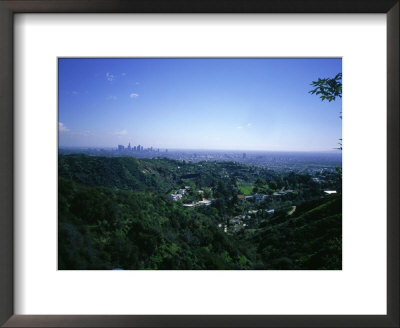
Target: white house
<point x="204" y="202"/>
<point x="175" y="197"/>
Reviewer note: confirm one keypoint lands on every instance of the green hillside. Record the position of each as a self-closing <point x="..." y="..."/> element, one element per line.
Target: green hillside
<point x="311" y="240"/>
<point x="115" y="213"/>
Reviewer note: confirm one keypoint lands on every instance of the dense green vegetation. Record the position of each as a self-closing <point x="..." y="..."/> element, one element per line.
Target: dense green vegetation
<point x="116" y="213"/>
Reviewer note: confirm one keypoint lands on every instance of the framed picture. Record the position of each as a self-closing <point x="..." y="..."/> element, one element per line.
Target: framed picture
<point x="212" y="186"/>
<point x="161" y="169"/>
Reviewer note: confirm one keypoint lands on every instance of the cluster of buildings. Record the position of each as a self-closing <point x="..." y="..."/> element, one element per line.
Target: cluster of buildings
<point x="137" y="148"/>
<point x="178" y="194"/>
<point x="259" y="198"/>
<point x="237" y="223"/>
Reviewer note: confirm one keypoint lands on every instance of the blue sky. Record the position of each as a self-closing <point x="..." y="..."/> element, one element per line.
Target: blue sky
<point x="232" y="104"/>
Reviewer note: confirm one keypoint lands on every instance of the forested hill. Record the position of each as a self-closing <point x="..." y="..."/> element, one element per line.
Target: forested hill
<point x="126" y="173"/>
<point x="115" y="213"/>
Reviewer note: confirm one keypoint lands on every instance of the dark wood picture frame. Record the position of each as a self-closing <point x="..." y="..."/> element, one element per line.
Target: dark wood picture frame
<point x="7" y="10"/>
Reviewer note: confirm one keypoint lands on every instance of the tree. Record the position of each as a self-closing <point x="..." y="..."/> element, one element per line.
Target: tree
<point x="260" y="182"/>
<point x="329" y="89"/>
<point x="207" y="193"/>
<point x="273" y="184"/>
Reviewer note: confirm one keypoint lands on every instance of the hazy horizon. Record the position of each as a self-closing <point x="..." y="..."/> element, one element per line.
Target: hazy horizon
<point x="333" y="151"/>
<point x="204" y="104"/>
<point x="249" y="151"/>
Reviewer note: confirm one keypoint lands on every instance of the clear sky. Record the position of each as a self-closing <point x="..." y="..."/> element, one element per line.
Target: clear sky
<point x="231" y="104"/>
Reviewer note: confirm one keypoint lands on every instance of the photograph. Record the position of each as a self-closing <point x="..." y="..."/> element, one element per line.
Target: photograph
<point x="199" y="163"/>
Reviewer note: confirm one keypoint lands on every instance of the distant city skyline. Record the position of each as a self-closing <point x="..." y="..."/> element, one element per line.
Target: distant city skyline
<point x="197" y="104"/>
<point x="174" y="149"/>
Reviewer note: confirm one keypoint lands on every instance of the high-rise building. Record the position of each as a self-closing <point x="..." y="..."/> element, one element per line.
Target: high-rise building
<point x="129" y="146"/>
<point x="121" y="147"/>
<point x="134" y="148"/>
<point x="138" y="148"/>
